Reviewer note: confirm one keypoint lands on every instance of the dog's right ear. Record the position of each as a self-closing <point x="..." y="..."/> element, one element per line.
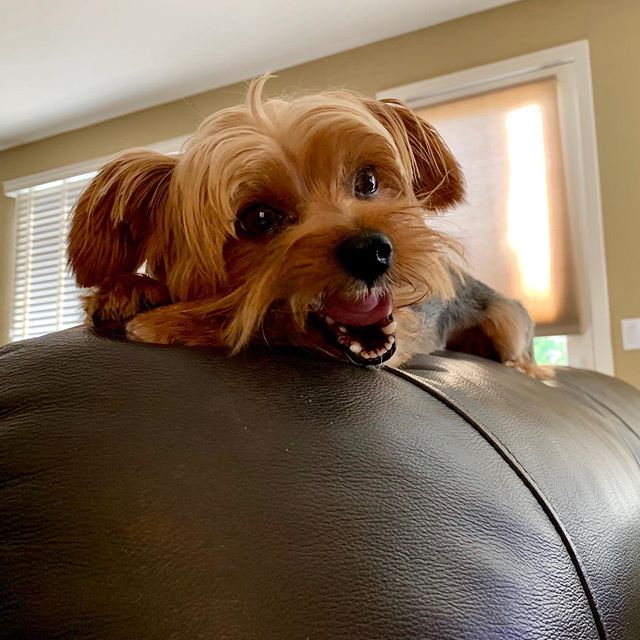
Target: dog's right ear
<point x="115" y="215"/>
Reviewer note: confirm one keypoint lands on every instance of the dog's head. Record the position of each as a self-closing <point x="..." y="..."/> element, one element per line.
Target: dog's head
<point x="305" y="221"/>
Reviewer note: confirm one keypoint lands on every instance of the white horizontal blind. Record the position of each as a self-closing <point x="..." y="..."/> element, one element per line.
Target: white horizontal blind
<point x="45" y="297"/>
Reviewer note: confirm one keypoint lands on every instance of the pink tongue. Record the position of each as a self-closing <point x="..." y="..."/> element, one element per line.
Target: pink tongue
<point x="358" y="313"/>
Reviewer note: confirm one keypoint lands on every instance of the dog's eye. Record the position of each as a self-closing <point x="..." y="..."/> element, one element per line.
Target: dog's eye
<point x="259" y="219"/>
<point x="365" y="182"/>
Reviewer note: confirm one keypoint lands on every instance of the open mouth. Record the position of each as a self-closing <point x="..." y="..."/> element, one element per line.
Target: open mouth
<point x="363" y="329"/>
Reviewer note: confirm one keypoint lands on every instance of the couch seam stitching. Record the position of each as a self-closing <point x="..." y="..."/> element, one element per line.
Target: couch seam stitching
<point x="525" y="478"/>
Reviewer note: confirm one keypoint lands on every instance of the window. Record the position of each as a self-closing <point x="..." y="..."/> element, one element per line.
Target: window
<point x="45" y="297"/>
<point x="523" y="132"/>
<point x="514" y="224"/>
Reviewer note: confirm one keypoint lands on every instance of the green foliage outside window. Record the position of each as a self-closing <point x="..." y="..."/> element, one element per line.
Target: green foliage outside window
<point x="551" y="350"/>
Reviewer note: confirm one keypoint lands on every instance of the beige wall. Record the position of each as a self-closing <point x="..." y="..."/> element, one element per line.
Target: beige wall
<point x="611" y="26"/>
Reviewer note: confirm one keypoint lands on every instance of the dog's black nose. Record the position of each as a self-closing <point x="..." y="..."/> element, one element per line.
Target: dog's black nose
<point x="366" y="255"/>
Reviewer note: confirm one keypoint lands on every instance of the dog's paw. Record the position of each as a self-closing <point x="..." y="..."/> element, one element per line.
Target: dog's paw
<point x="120" y="298"/>
<point x="539" y="372"/>
<point x="140" y="330"/>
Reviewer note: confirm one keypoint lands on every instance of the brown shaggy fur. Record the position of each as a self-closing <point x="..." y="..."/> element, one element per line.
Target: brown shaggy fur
<point x="208" y="284"/>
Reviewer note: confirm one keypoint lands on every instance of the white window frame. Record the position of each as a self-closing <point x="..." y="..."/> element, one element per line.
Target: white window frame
<point x="569" y="64"/>
<point x="41" y="179"/>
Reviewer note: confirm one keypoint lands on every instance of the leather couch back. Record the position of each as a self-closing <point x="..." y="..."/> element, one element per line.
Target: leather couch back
<point x="154" y="492"/>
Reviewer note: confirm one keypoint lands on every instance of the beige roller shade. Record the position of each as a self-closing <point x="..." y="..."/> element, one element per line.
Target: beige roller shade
<point x="515" y="222"/>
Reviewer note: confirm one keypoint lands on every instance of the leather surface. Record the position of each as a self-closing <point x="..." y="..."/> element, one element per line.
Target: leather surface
<point x="155" y="492"/>
<point x="580" y="446"/>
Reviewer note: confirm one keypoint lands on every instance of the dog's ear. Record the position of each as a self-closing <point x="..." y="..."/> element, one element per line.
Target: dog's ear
<point x="115" y="215"/>
<point x="437" y="178"/>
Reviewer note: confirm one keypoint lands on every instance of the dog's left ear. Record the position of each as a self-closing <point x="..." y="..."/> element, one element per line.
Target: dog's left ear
<point x="437" y="178"/>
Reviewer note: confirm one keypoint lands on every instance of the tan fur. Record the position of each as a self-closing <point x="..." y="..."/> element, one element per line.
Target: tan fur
<point x="113" y="223"/>
<point x="507" y="325"/>
<point x="121" y="298"/>
<point x="178" y="216"/>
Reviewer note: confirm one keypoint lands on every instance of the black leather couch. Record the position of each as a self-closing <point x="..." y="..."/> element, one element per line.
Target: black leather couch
<point x="154" y="492"/>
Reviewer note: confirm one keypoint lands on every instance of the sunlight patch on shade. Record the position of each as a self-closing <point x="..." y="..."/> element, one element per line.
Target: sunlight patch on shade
<point x="528" y="202"/>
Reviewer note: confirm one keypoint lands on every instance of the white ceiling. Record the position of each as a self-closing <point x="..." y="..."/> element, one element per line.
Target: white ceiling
<point x="70" y="63"/>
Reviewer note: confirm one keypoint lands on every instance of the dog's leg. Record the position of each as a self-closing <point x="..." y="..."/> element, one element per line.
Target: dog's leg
<point x="186" y="323"/>
<point x="508" y="326"/>
<point x="119" y="298"/>
<point x="480" y="321"/>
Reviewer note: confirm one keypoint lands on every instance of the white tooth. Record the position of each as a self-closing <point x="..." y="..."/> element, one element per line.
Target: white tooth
<point x="388" y="345"/>
<point x="390" y="328"/>
<point x="329" y="320"/>
<point x="342" y="329"/>
<point x="391" y="339"/>
<point x="356" y="347"/>
<point x="381" y="352"/>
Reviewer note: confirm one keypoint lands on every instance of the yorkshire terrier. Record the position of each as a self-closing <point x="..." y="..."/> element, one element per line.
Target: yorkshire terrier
<point x="301" y="222"/>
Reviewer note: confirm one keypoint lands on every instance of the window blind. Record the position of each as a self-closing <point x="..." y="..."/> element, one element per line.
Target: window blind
<point x="515" y="223"/>
<point x="45" y="297"/>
